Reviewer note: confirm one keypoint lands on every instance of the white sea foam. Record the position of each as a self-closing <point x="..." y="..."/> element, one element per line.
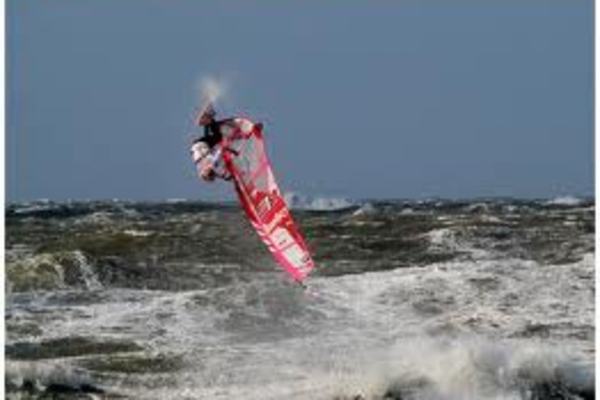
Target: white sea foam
<point x="137" y="233"/>
<point x="37" y="207"/>
<point x="302" y="202"/>
<point x="411" y="330"/>
<point x="86" y="270"/>
<point x="176" y="200"/>
<point x="565" y="201"/>
<point x="365" y="209"/>
<point x="42" y="374"/>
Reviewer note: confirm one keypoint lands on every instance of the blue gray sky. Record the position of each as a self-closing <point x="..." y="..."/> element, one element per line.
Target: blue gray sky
<point x="387" y="99"/>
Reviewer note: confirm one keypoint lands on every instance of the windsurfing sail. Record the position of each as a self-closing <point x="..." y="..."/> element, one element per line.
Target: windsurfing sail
<point x="243" y="151"/>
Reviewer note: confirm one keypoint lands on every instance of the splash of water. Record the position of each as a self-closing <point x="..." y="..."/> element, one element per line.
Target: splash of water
<point x="212" y="89"/>
<point x="88" y="275"/>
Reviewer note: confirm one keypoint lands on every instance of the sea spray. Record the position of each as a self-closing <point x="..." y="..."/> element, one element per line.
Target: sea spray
<point x="211" y="89"/>
<point x="463" y="368"/>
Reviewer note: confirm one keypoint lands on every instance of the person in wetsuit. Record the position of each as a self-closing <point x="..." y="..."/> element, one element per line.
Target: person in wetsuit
<point x="212" y="128"/>
<point x="203" y="149"/>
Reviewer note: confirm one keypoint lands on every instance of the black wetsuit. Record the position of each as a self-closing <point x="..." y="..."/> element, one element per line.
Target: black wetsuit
<point x="212" y="134"/>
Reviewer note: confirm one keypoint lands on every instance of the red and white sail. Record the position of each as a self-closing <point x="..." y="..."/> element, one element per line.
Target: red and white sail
<point x="243" y="151"/>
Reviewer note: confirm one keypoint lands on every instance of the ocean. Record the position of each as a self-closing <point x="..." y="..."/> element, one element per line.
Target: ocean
<point x="410" y="299"/>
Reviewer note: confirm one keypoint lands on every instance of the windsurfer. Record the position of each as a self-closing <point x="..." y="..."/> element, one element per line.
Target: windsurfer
<point x="237" y="146"/>
<point x="206" y="151"/>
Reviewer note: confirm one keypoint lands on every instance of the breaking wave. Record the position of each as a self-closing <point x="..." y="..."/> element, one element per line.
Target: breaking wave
<point x="565" y="201"/>
<point x="465" y="368"/>
<point x="301" y="202"/>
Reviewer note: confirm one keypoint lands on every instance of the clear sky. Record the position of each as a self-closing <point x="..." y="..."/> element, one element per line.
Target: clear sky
<point x="364" y="99"/>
